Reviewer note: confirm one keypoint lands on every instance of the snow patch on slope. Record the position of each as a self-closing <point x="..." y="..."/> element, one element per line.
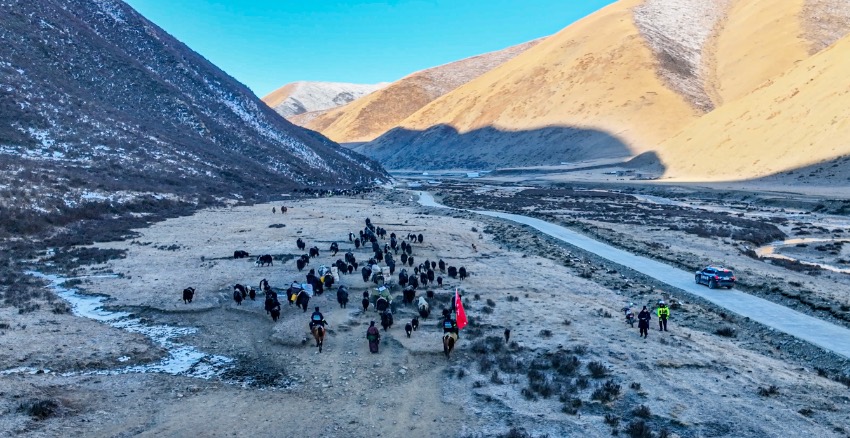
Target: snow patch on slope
<point x="316" y="96"/>
<point x="677" y="31"/>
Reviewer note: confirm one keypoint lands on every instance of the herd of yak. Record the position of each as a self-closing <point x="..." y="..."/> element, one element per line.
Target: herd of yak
<point x="298" y="294"/>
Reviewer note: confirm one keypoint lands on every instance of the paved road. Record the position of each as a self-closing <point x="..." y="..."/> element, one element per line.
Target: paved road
<point x="816" y="331"/>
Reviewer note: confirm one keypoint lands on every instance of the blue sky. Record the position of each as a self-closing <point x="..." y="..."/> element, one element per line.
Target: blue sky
<point x="266" y="44"/>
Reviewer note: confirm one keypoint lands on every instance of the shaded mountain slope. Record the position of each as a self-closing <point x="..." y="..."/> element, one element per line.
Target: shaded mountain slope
<point x="597" y="75"/>
<point x="99" y="105"/>
<point x="640" y="71"/>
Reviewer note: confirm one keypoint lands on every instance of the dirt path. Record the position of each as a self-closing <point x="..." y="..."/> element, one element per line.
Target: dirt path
<point x="821" y="333"/>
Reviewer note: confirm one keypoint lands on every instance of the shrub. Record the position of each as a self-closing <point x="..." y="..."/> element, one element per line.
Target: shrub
<point x="491" y="303"/>
<point x="495" y="378"/>
<point x="639" y="429"/>
<point x="806" y="412"/>
<point x="582" y="382"/>
<point x="728" y="332"/>
<point x="612" y="420"/>
<point x="635" y="386"/>
<point x="642" y="411"/>
<point x="769" y="391"/>
<point x="606" y="392"/>
<point x="515" y="433"/>
<point x="597" y="370"/>
<point x="39" y="409"/>
<point x="571" y="406"/>
<point x="546" y="333"/>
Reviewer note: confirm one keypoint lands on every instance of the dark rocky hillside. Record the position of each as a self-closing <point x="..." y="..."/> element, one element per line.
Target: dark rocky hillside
<point x="100" y="108"/>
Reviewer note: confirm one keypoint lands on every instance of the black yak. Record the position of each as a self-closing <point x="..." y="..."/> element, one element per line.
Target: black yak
<point x="424" y="308"/>
<point x="430" y="275"/>
<point x="303" y="300"/>
<point x="342" y="296"/>
<point x="386" y="319"/>
<point x="440" y="281"/>
<point x="381" y="304"/>
<point x="366" y="273"/>
<point x="408" y="295"/>
<point x="275" y="311"/>
<point x="507" y="335"/>
<point x="188" y="294"/>
<point x="314" y="251"/>
<point x="329" y="281"/>
<point x="408" y="329"/>
<point x="423" y="278"/>
<point x="452" y="272"/>
<point x="300" y="243"/>
<point x="365" y="303"/>
<point x="239" y="254"/>
<point x="404" y="258"/>
<point x="357" y="243"/>
<point x="410" y="261"/>
<point x="252" y="294"/>
<point x="420" y="237"/>
<point x="237" y="296"/>
<point x="415" y="323"/>
<point x="442" y="265"/>
<point x="462" y="273"/>
<point x="413" y="281"/>
<point x="402" y="278"/>
<point x="334" y="248"/>
<point x="264" y="260"/>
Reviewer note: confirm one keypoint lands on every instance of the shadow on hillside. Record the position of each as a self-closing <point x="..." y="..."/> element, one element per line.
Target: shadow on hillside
<point x="829" y="172"/>
<point x="443" y="147"/>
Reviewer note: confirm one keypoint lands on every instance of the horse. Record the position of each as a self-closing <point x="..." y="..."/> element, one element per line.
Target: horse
<point x="319" y="331"/>
<point x="449" y="340"/>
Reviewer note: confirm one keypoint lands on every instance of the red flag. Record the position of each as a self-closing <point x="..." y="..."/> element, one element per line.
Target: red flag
<point x="461" y="315"/>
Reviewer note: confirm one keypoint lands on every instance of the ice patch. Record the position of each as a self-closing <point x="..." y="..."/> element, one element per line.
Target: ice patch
<point x="182" y="360"/>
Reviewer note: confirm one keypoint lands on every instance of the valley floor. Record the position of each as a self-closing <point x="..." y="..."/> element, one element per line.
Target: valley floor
<point x="572" y="366"/>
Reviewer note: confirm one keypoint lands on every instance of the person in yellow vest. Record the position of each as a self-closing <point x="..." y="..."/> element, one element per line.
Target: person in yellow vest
<point x="663" y="313"/>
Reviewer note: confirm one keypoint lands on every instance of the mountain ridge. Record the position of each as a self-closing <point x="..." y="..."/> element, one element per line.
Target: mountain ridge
<point x="99" y="105"/>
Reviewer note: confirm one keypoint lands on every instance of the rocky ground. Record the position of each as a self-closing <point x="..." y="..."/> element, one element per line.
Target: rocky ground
<point x="572" y="365"/>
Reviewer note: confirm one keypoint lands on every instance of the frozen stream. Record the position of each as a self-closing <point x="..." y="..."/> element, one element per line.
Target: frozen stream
<point x="771" y="252"/>
<point x="182" y="359"/>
